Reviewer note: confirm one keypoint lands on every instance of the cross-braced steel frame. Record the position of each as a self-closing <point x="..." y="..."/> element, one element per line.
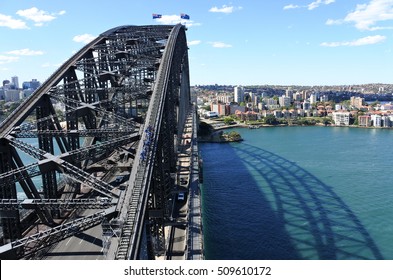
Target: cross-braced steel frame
<point x="125" y="93"/>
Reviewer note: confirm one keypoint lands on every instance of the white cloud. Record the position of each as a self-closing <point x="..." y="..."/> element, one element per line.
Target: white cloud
<point x="8" y="21"/>
<point x="369" y="40"/>
<point x="8" y="59"/>
<point x="220" y="45"/>
<point x="25" y="52"/>
<point x="175" y="19"/>
<point x="38" y="16"/>
<point x="318" y="3"/>
<point x="367" y="15"/>
<point x="193" y="43"/>
<point x="169" y="19"/>
<point x="291" y="6"/>
<point x="334" y="22"/>
<point x="224" y="9"/>
<point x="311" y="6"/>
<point x="84" y="38"/>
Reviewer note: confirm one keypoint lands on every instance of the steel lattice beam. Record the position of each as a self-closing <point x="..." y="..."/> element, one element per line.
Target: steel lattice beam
<point x="127" y="76"/>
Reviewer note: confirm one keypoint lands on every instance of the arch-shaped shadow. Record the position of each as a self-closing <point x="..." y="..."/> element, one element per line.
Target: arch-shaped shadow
<point x="312" y="220"/>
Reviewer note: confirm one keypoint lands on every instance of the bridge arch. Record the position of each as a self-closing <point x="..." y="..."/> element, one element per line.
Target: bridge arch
<point x="99" y="134"/>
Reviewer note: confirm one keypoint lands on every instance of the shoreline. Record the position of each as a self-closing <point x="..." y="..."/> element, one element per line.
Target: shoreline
<point x="286" y="125"/>
<point x="242" y="125"/>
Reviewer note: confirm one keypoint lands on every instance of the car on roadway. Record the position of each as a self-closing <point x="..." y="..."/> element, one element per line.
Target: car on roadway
<point x="181" y="196"/>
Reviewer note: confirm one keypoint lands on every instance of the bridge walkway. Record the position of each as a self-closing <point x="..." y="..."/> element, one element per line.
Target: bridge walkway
<point x="185" y="236"/>
<point x="195" y="228"/>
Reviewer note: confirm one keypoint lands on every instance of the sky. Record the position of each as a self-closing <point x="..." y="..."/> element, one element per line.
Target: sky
<point x="250" y="42"/>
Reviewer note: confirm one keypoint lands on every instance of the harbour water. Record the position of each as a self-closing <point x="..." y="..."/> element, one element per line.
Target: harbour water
<point x="299" y="193"/>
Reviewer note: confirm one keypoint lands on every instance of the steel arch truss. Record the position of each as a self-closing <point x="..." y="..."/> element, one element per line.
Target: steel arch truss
<point x="96" y="105"/>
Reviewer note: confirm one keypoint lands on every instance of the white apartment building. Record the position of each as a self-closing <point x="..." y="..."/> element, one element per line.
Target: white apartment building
<point x="225" y="98"/>
<point x="12" y="95"/>
<point x="386" y="121"/>
<point x="284" y="101"/>
<point x="313" y="98"/>
<point x="341" y="118"/>
<point x="239" y="94"/>
<point x="376" y="120"/>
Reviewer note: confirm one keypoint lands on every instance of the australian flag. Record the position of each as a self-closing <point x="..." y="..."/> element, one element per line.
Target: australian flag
<point x="184" y="16"/>
<point x="157" y="16"/>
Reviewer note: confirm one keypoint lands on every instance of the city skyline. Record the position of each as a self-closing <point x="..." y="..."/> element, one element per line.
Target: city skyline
<point x="294" y="42"/>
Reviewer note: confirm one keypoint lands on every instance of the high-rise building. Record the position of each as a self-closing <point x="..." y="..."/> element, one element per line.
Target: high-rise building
<point x="33" y="84"/>
<point x="239" y="94"/>
<point x="15" y="82"/>
<point x="284" y="101"/>
<point x="313" y="98"/>
<point x="357" y="102"/>
<point x="6" y="84"/>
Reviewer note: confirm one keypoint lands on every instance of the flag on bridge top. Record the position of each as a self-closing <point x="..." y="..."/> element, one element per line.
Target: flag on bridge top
<point x="184" y="16"/>
<point x="157" y="16"/>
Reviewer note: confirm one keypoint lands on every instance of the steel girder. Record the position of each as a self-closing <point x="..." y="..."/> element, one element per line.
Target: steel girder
<point x="155" y="161"/>
<point x="102" y="90"/>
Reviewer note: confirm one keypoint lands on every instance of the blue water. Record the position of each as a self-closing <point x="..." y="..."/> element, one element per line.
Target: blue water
<point x="299" y="193"/>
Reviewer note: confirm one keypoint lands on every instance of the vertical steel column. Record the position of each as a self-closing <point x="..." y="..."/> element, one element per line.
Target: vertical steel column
<point x="70" y="91"/>
<point x="10" y="220"/>
<point x="45" y="142"/>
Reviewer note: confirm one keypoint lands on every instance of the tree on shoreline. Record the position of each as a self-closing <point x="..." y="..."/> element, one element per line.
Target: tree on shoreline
<point x="271" y="120"/>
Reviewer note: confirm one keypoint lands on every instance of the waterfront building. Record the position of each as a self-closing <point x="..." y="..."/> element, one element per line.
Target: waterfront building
<point x="385" y="121"/>
<point x="364" y="120"/>
<point x="246" y="116"/>
<point x="341" y="118"/>
<point x="376" y="120"/>
<point x="391" y="120"/>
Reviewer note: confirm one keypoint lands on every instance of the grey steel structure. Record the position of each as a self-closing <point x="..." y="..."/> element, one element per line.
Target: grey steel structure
<point x="126" y="92"/>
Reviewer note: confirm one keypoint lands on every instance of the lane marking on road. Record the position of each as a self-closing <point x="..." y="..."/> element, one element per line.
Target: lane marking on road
<point x="69" y="241"/>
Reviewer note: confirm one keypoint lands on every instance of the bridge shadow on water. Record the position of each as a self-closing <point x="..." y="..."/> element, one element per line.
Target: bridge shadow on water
<point x="288" y="213"/>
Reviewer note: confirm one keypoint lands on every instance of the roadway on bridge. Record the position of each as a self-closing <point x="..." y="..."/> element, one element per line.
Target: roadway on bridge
<point x="86" y="245"/>
<point x="185" y="237"/>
